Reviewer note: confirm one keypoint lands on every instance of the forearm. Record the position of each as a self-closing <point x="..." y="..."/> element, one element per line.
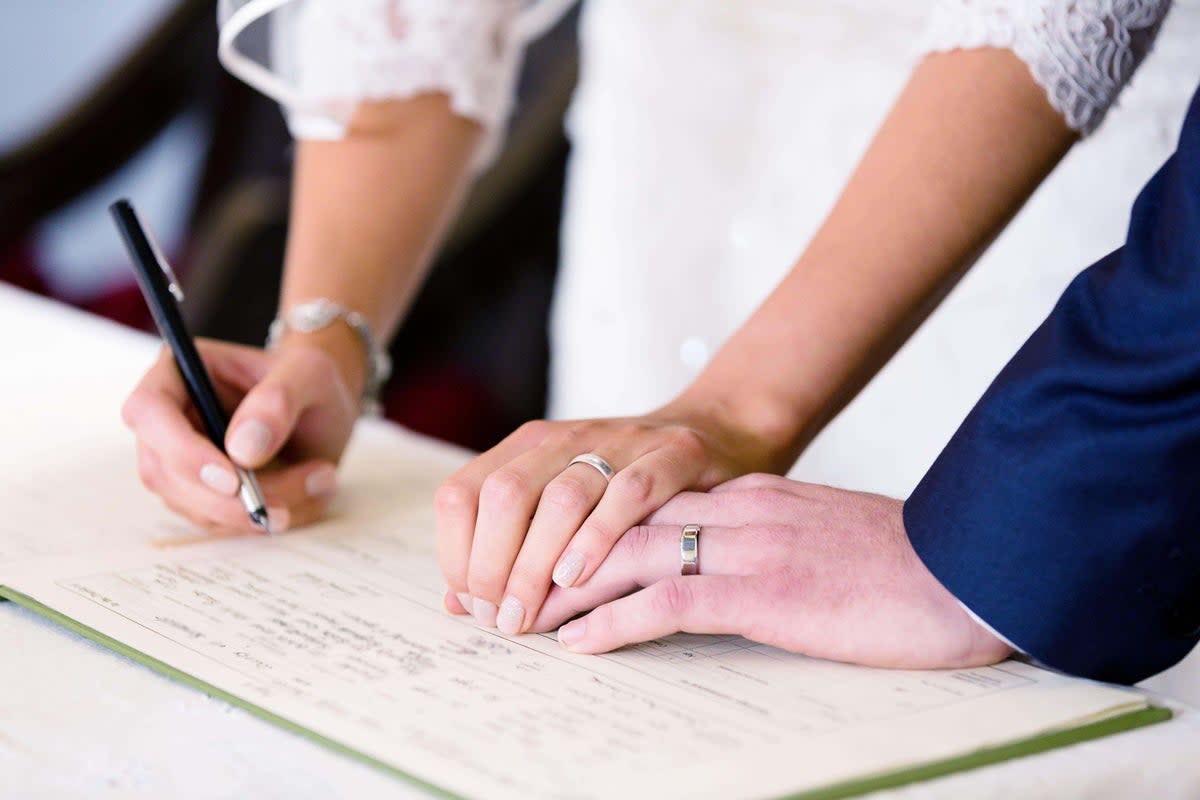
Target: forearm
<point x="369" y="210"/>
<point x="969" y="139"/>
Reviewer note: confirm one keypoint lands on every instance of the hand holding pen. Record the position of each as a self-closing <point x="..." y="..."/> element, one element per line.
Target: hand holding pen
<point x="292" y="413"/>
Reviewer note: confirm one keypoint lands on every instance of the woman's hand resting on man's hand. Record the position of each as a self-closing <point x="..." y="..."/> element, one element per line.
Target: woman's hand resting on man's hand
<point x="518" y="519"/>
<point x="820" y="571"/>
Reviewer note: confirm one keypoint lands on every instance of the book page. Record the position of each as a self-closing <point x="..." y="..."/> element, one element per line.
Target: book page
<point x="341" y="632"/>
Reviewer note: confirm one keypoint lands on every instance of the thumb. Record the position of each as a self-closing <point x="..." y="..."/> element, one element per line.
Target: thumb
<point x="267" y="415"/>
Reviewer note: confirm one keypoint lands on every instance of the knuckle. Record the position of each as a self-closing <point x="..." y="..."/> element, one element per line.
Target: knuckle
<point x="764" y="480"/>
<point x="149" y="474"/>
<point x="132" y="409"/>
<point x="527" y="579"/>
<point x="600" y="623"/>
<point x="635" y="486"/>
<point x="454" y="568"/>
<point x="569" y="433"/>
<point x="535" y="430"/>
<point x="566" y="495"/>
<point x="484" y="583"/>
<point x="504" y="487"/>
<point x="760" y="497"/>
<point x="630" y="429"/>
<point x="454" y="497"/>
<point x="673" y="598"/>
<point x="274" y="401"/>
<point x="635" y="544"/>
<point x="596" y="537"/>
<point x="689" y="443"/>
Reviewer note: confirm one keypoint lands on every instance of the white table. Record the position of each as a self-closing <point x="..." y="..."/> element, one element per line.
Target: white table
<point x="79" y="721"/>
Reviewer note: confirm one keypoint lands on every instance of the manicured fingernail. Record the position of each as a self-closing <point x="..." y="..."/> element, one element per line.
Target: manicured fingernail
<point x="485" y="612"/>
<point x="321" y="481"/>
<point x="511" y="615"/>
<point x="249" y="442"/>
<point x="280" y="519"/>
<point x="220" y="479"/>
<point x="464" y="600"/>
<point x="568" y="569"/>
<point x="572" y="633"/>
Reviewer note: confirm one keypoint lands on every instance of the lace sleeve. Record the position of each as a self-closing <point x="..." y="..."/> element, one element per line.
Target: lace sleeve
<point x="1082" y="52"/>
<point x="320" y="58"/>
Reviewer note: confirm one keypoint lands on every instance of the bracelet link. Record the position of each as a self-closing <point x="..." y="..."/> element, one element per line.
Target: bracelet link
<point x="314" y="315"/>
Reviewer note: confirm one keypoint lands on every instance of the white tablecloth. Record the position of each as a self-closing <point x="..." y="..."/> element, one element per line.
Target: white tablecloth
<point x="79" y="721"/>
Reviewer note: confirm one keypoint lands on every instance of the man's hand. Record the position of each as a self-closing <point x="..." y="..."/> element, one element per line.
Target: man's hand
<point x="815" y="570"/>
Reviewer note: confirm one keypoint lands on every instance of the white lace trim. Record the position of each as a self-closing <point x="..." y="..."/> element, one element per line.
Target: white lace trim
<point x="1082" y="52"/>
<point x="321" y="58"/>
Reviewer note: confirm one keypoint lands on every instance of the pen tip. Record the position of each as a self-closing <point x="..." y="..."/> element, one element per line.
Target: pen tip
<point x="259" y="517"/>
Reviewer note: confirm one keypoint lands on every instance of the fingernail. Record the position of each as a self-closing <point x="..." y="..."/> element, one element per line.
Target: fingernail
<point x="572" y="633"/>
<point x="280" y="519"/>
<point x="220" y="479"/>
<point x="568" y="569"/>
<point x="249" y="442"/>
<point x="512" y="614"/>
<point x="321" y="481"/>
<point x="485" y="612"/>
<point x="464" y="600"/>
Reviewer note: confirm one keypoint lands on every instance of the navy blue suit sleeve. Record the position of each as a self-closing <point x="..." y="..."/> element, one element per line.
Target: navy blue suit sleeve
<point x="1065" y="512"/>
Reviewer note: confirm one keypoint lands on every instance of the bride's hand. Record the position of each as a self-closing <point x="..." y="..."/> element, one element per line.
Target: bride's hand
<point x="293" y="411"/>
<point x="518" y="517"/>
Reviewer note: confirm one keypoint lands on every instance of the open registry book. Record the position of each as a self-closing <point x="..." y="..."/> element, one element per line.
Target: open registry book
<point x="339" y="634"/>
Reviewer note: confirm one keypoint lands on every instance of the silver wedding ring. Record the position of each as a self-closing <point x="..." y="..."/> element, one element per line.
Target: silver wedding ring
<point x="593" y="460"/>
<point x="689" y="550"/>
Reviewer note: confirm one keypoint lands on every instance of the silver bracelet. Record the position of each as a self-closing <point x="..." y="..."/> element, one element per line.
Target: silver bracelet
<point x="313" y="315"/>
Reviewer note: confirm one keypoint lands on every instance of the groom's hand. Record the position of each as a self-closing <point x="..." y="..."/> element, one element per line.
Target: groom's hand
<point x="807" y="568"/>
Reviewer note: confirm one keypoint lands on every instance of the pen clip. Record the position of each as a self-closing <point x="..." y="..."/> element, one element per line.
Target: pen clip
<point x="163" y="264"/>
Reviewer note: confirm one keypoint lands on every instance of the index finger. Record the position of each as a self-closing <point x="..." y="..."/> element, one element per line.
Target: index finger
<point x="156" y="412"/>
<point x="457" y="504"/>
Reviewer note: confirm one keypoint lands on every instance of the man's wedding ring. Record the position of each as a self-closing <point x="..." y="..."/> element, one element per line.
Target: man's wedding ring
<point x="593" y="460"/>
<point x="689" y="550"/>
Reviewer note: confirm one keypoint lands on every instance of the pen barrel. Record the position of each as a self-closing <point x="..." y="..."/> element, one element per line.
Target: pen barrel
<point x="250" y="492"/>
<point x="158" y="288"/>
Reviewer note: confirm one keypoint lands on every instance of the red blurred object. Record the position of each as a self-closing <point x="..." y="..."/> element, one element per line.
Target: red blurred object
<point x="123" y="304"/>
<point x="446" y="403"/>
<point x="18" y="267"/>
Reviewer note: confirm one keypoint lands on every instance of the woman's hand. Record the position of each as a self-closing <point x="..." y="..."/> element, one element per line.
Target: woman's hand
<point x="517" y="517"/>
<point x="815" y="570"/>
<point x="294" y="414"/>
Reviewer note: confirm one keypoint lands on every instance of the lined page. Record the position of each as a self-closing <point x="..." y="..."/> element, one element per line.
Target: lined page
<point x="341" y="631"/>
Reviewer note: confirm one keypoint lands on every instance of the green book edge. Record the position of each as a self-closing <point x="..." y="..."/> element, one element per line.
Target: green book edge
<point x="980" y="758"/>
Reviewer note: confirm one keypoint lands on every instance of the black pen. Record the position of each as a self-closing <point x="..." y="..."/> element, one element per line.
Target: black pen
<point x="162" y="293"/>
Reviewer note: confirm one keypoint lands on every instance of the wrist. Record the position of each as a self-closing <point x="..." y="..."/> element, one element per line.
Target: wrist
<point x="341" y="345"/>
<point x="764" y="432"/>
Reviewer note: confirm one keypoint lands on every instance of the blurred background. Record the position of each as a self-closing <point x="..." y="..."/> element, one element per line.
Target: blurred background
<point x="127" y="99"/>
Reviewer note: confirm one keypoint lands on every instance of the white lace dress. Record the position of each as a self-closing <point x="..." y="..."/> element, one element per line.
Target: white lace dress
<point x="710" y="138"/>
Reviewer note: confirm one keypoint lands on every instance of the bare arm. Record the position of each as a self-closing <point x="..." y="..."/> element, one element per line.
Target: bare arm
<point x="969" y="139"/>
<point x="368" y="211"/>
<point x="967" y="142"/>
